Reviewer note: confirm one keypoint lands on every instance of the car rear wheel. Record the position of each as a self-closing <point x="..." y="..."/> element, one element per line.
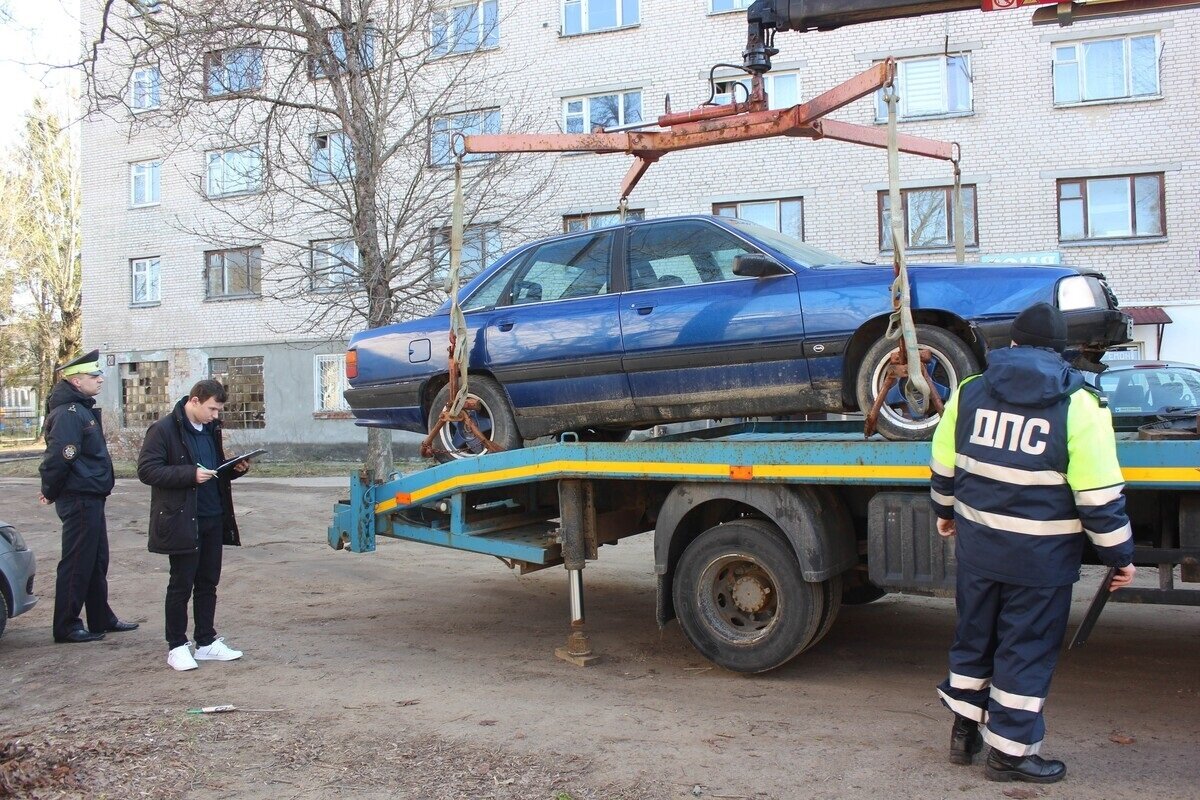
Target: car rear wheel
<point x="493" y="416"/>
<point x="952" y="361"/>
<point x="4" y="611"/>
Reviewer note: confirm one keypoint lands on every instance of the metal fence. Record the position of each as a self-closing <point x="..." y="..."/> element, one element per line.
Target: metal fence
<point x="19" y="426"/>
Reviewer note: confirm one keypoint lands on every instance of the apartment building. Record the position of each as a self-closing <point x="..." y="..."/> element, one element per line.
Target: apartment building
<point x="1076" y="149"/>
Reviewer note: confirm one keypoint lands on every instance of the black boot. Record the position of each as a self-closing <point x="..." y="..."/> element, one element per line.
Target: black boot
<point x="1031" y="769"/>
<point x="965" y="740"/>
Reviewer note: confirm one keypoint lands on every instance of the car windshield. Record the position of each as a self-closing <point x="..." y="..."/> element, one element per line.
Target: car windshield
<point x="803" y="254"/>
<point x="1149" y="390"/>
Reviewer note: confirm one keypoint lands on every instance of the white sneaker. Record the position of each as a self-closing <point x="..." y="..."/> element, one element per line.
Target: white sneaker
<point x="180" y="658"/>
<point x="217" y="651"/>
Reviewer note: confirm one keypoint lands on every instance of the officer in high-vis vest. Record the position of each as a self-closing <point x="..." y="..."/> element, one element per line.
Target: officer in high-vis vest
<point x="1024" y="467"/>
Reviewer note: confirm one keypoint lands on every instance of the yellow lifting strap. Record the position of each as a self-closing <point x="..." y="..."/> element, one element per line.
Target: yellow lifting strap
<point x="458" y="323"/>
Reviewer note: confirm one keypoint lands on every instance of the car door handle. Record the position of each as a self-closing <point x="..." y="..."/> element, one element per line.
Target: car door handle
<point x="504" y="324"/>
<point x="643" y="310"/>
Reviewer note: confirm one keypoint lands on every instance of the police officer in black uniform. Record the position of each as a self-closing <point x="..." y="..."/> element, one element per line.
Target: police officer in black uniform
<point x="77" y="476"/>
<point x="1024" y="472"/>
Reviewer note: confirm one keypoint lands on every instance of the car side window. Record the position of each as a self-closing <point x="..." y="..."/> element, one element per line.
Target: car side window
<point x="685" y="253"/>
<point x="493" y="288"/>
<point x="562" y="270"/>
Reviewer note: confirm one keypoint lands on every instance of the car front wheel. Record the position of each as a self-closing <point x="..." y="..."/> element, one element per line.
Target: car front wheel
<point x="493" y="416"/>
<point x="952" y="361"/>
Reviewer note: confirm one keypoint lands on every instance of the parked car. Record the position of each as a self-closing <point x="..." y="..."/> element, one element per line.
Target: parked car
<point x="1139" y="392"/>
<point x="17" y="568"/>
<point x="697" y="317"/>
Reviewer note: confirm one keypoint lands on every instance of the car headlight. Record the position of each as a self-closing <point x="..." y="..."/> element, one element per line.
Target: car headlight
<point x="1076" y="292"/>
<point x="10" y="534"/>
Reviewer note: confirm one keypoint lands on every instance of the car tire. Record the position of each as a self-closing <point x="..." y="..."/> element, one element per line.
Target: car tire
<point x="749" y="557"/>
<point x="4" y="610"/>
<point x="494" y="418"/>
<point x="953" y="361"/>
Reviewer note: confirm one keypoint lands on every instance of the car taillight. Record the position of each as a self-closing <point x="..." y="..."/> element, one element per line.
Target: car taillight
<point x="351" y="363"/>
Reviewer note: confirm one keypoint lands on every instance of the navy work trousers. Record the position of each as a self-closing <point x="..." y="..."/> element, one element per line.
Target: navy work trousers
<point x="83" y="570"/>
<point x="194" y="577"/>
<point x="1006" y="646"/>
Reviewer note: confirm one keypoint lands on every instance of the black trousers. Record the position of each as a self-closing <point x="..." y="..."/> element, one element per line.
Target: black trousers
<point x="194" y="576"/>
<point x="83" y="570"/>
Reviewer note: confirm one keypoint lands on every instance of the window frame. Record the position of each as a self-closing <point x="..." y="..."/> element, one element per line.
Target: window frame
<point x="446" y="19"/>
<point x="883" y="195"/>
<point x="234" y="416"/>
<point x="343" y="409"/>
<point x="625" y="268"/>
<point x="156" y="261"/>
<point x="769" y="80"/>
<point x="368" y="56"/>
<point x="901" y="69"/>
<point x="208" y="163"/>
<point x="589" y="217"/>
<point x="778" y="201"/>
<point x="1088" y="238"/>
<point x="330" y="175"/>
<point x="585" y="16"/>
<point x="738" y="5"/>
<point x="133" y="88"/>
<point x="154" y="181"/>
<point x="253" y="270"/>
<point x="586" y="111"/>
<point x="468" y="158"/>
<point x="315" y="248"/>
<point x="1127" y="63"/>
<point x="439" y="239"/>
<point x="212" y="56"/>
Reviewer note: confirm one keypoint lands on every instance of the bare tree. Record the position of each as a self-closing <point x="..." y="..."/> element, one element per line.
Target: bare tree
<point x="331" y="125"/>
<point x="40" y="240"/>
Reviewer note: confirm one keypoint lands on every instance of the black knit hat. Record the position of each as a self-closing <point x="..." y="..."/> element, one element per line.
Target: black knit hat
<point x="1041" y="325"/>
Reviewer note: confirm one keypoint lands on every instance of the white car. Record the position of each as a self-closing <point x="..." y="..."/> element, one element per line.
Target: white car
<point x="17" y="568"/>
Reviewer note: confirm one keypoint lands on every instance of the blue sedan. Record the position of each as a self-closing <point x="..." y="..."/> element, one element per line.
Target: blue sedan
<point x="697" y="317"/>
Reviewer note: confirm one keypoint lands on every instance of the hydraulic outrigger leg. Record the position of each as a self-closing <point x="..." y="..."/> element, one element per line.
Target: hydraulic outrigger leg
<point x="573" y="524"/>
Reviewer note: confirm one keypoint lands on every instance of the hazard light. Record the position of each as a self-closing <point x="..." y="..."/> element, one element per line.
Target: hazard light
<point x="351" y="364"/>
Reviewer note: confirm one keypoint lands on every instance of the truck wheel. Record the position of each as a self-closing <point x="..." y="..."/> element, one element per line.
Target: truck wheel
<point x="741" y="599"/>
<point x="952" y="361"/>
<point x="831" y="591"/>
<point x="857" y="589"/>
<point x="494" y="418"/>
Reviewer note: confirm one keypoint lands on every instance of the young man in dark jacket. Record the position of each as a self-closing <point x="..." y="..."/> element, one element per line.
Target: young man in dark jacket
<point x="191" y="517"/>
<point x="77" y="476"/>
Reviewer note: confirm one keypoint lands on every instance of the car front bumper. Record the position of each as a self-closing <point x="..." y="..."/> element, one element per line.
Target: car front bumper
<point x="19" y="568"/>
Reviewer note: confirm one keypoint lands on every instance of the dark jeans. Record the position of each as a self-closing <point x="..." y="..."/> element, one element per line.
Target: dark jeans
<point x="83" y="571"/>
<point x="194" y="576"/>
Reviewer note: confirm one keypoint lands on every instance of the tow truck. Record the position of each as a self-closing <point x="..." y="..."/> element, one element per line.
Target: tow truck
<point x="762" y="530"/>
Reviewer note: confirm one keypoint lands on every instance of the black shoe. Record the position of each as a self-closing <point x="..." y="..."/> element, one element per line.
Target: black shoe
<point x="78" y="636"/>
<point x="965" y="740"/>
<point x="121" y="627"/>
<point x="1031" y="769"/>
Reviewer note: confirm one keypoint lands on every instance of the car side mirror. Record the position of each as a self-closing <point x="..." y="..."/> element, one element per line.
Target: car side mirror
<point x="757" y="265"/>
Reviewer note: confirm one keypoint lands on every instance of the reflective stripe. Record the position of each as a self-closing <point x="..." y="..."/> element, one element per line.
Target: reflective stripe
<point x="962" y="708"/>
<point x="967" y="682"/>
<point x="938" y="468"/>
<point x="1020" y="477"/>
<point x="942" y="499"/>
<point x="1031" y="527"/>
<point x="1019" y="702"/>
<point x="1111" y="539"/>
<point x="1009" y="746"/>
<point x="1098" y="497"/>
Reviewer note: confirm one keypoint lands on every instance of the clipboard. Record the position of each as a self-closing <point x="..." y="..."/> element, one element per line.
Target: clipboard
<point x="1093" y="611"/>
<point x="242" y="457"/>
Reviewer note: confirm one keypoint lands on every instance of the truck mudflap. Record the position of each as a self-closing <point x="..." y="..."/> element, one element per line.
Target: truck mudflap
<point x="904" y="551"/>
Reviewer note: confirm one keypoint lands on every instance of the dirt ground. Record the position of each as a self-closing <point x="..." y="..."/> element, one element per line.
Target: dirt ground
<point x="417" y="672"/>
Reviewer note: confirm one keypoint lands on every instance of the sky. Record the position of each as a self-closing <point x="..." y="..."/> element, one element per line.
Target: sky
<point x="40" y="33"/>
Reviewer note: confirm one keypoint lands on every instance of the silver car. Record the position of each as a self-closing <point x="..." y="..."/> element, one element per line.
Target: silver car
<point x="17" y="568"/>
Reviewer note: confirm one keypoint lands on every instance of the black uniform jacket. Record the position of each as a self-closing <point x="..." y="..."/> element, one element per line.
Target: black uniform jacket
<point x="76" y="458"/>
<point x="168" y="465"/>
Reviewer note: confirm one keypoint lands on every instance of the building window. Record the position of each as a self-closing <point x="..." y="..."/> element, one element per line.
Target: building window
<point x="335" y="263"/>
<point x="584" y="16"/>
<point x="1118" y="207"/>
<point x="785" y="215"/>
<point x="441" y="151"/>
<point x="242" y="378"/>
<point x="238" y="70"/>
<point x="144" y="395"/>
<point x="1106" y="69"/>
<point x="143" y="89"/>
<point x="600" y="219"/>
<point x="233" y="273"/>
<point x="332" y="159"/>
<point x="481" y="246"/>
<point x="234" y="172"/>
<point x="783" y="89"/>
<point x="144" y="275"/>
<point x="330" y="382"/>
<point x="586" y="114"/>
<point x="467" y="27"/>
<point x="336" y="54"/>
<point x="928" y="218"/>
<point x="716" y="6"/>
<point x="143" y="183"/>
<point x="930" y="87"/>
